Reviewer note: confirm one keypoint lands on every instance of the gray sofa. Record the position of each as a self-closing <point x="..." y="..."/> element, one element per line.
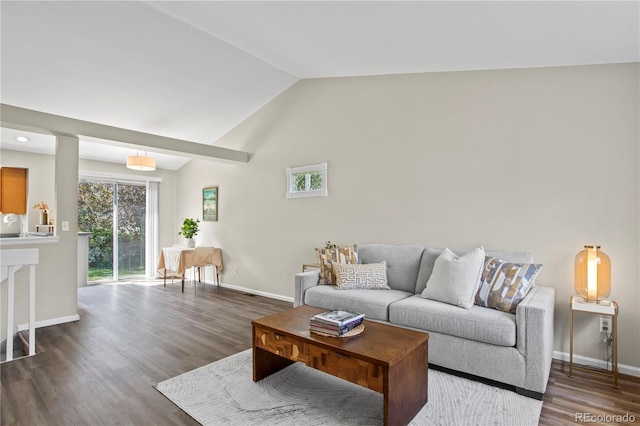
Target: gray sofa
<point x="514" y="349"/>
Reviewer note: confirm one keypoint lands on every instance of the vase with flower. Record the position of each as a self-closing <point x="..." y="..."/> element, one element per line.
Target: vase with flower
<point x="44" y="212"/>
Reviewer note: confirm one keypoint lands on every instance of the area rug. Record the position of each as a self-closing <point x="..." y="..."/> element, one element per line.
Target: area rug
<point x="223" y="393"/>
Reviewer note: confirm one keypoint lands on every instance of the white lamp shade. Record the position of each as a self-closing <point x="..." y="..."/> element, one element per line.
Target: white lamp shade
<point x="138" y="162"/>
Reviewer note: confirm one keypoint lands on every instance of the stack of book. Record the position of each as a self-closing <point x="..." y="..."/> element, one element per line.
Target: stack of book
<point x="335" y="323"/>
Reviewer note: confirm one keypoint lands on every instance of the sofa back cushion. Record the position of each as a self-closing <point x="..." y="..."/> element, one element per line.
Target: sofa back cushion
<point x="403" y="263"/>
<point x="430" y="255"/>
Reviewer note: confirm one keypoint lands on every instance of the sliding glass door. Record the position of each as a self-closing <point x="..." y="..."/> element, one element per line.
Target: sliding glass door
<point x="130" y="226"/>
<point x="115" y="214"/>
<point x="95" y="215"/>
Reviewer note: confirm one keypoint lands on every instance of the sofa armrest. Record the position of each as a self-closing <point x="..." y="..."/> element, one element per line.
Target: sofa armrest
<point x="534" y="319"/>
<point x="303" y="281"/>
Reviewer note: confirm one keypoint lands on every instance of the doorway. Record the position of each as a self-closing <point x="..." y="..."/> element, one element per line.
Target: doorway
<point x="115" y="214"/>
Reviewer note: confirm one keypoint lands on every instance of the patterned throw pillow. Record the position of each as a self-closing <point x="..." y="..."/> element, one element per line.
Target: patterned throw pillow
<point x="334" y="255"/>
<point x="505" y="284"/>
<point x="372" y="276"/>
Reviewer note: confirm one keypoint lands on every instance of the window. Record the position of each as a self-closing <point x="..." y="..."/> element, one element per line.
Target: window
<point x="307" y="181"/>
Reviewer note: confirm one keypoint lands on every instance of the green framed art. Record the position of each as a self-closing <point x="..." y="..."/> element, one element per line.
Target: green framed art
<point x="210" y="204"/>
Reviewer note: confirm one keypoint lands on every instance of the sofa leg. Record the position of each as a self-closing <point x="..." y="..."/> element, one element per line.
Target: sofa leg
<point x="529" y="393"/>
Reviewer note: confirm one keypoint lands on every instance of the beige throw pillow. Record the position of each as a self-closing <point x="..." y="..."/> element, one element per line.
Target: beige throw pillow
<point x="334" y="255"/>
<point x="455" y="279"/>
<point x="372" y="276"/>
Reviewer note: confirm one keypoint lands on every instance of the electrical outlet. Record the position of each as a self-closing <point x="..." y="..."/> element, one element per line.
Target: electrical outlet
<point x="605" y="325"/>
<point x="235" y="269"/>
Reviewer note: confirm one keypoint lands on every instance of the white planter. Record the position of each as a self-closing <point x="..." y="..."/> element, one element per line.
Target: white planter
<point x="191" y="243"/>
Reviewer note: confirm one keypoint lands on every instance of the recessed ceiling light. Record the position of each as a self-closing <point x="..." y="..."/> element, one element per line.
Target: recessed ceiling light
<point x="22" y="139"/>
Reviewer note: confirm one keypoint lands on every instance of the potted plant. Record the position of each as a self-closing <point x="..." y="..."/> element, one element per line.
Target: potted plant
<point x="189" y="229"/>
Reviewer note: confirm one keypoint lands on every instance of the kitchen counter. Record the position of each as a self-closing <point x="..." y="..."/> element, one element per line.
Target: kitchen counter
<point x="16" y="241"/>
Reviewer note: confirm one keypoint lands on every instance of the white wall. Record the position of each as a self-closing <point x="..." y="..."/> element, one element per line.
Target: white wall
<point x="51" y="179"/>
<point x="544" y="160"/>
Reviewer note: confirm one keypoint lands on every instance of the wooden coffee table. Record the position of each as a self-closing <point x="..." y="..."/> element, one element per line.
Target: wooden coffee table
<point x="385" y="358"/>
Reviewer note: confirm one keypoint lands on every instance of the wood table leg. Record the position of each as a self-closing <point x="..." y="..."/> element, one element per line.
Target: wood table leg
<point x="266" y="363"/>
<point x="405" y="387"/>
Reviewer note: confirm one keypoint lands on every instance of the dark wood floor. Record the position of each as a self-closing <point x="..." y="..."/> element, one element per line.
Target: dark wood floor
<point x="101" y="370"/>
<point x="589" y="393"/>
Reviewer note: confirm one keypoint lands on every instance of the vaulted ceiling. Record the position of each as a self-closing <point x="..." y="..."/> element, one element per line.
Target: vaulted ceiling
<point x="195" y="69"/>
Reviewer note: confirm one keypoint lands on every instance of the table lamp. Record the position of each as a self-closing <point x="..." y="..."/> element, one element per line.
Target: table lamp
<point x="592" y="274"/>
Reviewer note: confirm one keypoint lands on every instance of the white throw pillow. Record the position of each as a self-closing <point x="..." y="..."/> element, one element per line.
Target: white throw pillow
<point x="455" y="279"/>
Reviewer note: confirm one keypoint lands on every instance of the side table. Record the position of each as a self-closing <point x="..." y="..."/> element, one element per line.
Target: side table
<point x="306" y="266"/>
<point x="603" y="307"/>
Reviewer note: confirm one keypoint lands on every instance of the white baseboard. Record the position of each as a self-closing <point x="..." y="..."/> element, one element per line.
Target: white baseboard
<point x="48" y="322"/>
<point x="252" y="291"/>
<point x="583" y="360"/>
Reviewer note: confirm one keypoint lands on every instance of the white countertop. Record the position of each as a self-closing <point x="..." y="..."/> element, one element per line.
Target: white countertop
<point x="27" y="241"/>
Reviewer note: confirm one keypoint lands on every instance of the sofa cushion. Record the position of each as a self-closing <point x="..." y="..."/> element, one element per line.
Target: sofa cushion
<point x="430" y="255"/>
<point x="403" y="263"/>
<point x="505" y="284"/>
<point x="371" y="276"/>
<point x="455" y="279"/>
<point x="374" y="304"/>
<point x="328" y="256"/>
<point x="478" y="323"/>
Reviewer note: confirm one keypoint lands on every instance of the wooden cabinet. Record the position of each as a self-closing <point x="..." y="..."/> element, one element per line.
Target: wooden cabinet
<point x="13" y="190"/>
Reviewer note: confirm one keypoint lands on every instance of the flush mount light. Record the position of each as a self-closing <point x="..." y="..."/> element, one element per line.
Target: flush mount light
<point x="139" y="162"/>
<point x="22" y="139"/>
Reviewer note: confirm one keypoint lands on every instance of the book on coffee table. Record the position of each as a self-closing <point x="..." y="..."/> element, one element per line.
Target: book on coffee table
<point x="335" y="323"/>
<point x="339" y="318"/>
<point x="333" y="330"/>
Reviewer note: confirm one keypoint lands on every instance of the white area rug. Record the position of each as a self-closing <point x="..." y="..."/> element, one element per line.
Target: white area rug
<point x="223" y="393"/>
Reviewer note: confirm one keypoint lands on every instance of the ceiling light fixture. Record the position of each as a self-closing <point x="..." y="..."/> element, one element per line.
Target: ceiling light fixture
<point x="22" y="139"/>
<point x="138" y="162"/>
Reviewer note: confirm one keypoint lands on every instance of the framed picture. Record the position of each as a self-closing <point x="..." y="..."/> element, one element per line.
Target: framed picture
<point x="210" y="204"/>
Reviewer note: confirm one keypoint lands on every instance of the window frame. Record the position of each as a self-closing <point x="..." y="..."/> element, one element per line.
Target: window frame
<point x="322" y="192"/>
